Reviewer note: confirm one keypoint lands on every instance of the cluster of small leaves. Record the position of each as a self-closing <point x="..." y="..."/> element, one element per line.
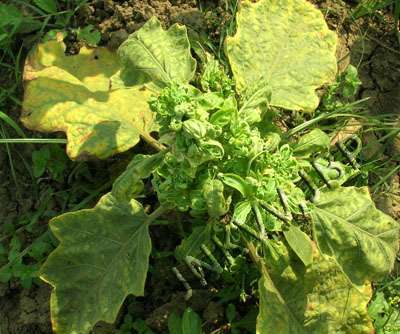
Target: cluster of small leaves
<point x="343" y="91"/>
<point x="210" y="142"/>
<point x="384" y="308"/>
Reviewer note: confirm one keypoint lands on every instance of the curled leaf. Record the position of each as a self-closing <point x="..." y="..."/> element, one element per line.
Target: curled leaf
<point x="129" y="184"/>
<point x="71" y="94"/>
<point x="314" y="141"/>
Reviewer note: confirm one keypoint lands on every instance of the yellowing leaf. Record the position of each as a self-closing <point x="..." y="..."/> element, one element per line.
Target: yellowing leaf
<point x="71" y="94"/>
<point x="102" y="257"/>
<point x="318" y="299"/>
<point x="157" y="55"/>
<point x="286" y="44"/>
<point x="362" y="239"/>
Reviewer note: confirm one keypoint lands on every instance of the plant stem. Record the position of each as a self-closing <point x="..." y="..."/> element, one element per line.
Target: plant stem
<point x="259" y="218"/>
<point x="153" y="142"/>
<point x="253" y="254"/>
<point x="157" y="213"/>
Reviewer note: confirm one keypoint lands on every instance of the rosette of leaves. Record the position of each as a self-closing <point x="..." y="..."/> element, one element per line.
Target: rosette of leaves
<point x="219" y="160"/>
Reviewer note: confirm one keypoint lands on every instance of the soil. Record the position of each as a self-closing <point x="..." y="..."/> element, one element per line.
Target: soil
<point x="367" y="43"/>
<point x="117" y="19"/>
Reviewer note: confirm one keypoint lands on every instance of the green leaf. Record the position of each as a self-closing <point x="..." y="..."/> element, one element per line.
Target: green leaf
<point x="90" y="35"/>
<point x="40" y="159"/>
<point x="300" y="243"/>
<point x="361" y="238"/>
<point x="158" y="55"/>
<point x="241" y="212"/>
<point x="191" y="246"/>
<point x="248" y="322"/>
<point x="10" y="16"/>
<point x="273" y="42"/>
<point x="191" y="322"/>
<point x="314" y="141"/>
<point x="217" y="204"/>
<point x="230" y="312"/>
<point x="366" y="7"/>
<point x="71" y="94"/>
<point x="129" y="184"/>
<point x="49" y="6"/>
<point x="256" y="100"/>
<point x="102" y="257"/>
<point x="174" y="324"/>
<point x="236" y="182"/>
<point x="350" y="81"/>
<point x="318" y="299"/>
<point x="195" y="128"/>
<point x="141" y="327"/>
<point x="386" y="317"/>
<point x="13" y="21"/>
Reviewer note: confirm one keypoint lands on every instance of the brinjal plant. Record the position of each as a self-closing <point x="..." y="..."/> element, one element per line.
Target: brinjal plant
<point x="217" y="159"/>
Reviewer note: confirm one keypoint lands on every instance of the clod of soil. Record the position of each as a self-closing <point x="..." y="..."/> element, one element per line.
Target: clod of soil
<point x="25" y="311"/>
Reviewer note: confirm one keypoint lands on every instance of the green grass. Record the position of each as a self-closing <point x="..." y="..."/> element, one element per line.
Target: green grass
<point x="373" y="7"/>
<point x="55" y="184"/>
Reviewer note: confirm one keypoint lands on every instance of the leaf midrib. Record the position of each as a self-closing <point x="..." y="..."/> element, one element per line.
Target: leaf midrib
<point x="151" y="55"/>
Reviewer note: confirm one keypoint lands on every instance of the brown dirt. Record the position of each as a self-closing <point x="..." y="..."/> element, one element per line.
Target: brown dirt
<point x="370" y="44"/>
<point x="116" y="19"/>
<point x="24" y="311"/>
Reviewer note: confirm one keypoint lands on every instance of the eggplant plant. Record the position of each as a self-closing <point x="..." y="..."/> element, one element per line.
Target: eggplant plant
<point x="217" y="160"/>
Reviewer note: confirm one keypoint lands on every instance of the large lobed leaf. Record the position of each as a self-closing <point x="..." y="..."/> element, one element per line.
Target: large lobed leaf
<point x="102" y="257"/>
<point x="319" y="299"/>
<point x="362" y="239"/>
<point x="103" y="253"/>
<point x="71" y="94"/>
<point x="286" y="44"/>
<point x="156" y="55"/>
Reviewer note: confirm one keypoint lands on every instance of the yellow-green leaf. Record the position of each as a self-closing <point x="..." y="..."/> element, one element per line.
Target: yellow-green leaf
<point x="318" y="299"/>
<point x="286" y="44"/>
<point x="362" y="239"/>
<point x="102" y="257"/>
<point x="157" y="55"/>
<point x="71" y="94"/>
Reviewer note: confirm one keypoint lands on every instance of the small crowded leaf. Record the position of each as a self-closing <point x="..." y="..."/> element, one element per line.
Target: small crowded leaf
<point x="71" y="94"/>
<point x="318" y="299"/>
<point x="103" y="256"/>
<point x="157" y="55"/>
<point x="360" y="237"/>
<point x="286" y="44"/>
